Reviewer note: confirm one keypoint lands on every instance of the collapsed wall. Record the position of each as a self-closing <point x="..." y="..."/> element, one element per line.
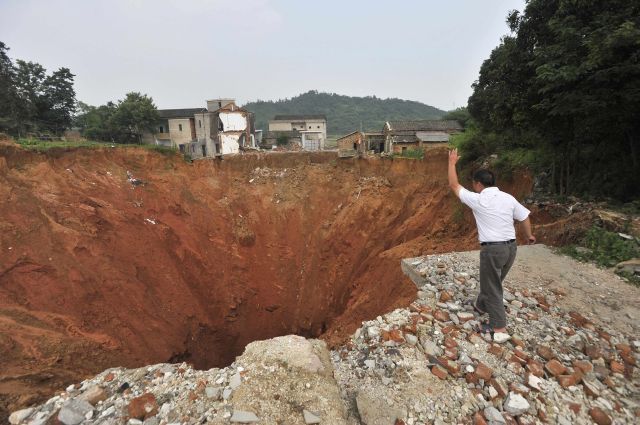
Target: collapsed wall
<point x="127" y="257"/>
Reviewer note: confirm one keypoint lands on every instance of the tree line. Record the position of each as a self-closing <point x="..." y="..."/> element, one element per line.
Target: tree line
<point x="562" y="93"/>
<point x="124" y="121"/>
<point x="34" y="102"/>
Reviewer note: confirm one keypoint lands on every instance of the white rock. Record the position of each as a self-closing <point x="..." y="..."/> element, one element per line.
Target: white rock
<point x="235" y="381"/>
<point x="310" y="417"/>
<point x="493" y="393"/>
<point x="515" y="404"/>
<point x="493" y="416"/>
<point x="213" y="392"/>
<point x="534" y="382"/>
<point x="19" y="416"/>
<point x="73" y="411"/>
<point x="241" y="416"/>
<point x="411" y="339"/>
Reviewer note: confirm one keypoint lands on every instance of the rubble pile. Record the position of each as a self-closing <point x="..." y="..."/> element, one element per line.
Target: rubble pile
<point x="424" y="364"/>
<point x="282" y="379"/>
<point x="558" y="367"/>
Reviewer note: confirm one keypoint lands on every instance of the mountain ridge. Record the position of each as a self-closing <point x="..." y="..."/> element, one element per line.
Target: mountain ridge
<point x="344" y="113"/>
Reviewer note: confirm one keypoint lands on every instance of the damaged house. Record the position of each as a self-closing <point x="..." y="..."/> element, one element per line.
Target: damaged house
<point x="308" y="132"/>
<point x="224" y="129"/>
<point x="358" y="143"/>
<point x="401" y="136"/>
<point x="220" y="129"/>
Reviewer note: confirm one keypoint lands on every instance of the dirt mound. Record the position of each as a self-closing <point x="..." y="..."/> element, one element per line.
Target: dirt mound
<point x="126" y="257"/>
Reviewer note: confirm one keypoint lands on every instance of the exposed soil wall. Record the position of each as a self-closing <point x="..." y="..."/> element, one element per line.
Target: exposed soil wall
<point x="202" y="258"/>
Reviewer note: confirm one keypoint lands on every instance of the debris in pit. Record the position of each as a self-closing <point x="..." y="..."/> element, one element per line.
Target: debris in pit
<point x="134" y="181"/>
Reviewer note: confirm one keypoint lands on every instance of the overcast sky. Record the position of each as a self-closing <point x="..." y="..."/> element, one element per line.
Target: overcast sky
<point x="182" y="52"/>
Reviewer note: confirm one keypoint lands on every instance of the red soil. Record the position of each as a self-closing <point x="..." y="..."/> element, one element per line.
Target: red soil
<point x="87" y="282"/>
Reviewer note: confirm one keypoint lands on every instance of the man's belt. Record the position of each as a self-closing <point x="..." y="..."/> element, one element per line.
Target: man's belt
<point x="498" y="243"/>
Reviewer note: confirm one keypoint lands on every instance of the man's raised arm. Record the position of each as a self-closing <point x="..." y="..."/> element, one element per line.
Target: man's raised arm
<point x="453" y="175"/>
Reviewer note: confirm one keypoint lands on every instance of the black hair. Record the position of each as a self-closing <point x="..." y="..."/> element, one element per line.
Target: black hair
<point x="484" y="177"/>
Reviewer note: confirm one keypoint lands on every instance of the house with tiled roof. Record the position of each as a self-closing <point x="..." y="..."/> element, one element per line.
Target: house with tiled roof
<point x="401" y="136"/>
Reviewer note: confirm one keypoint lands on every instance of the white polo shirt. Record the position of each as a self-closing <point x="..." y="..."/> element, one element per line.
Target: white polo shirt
<point x="494" y="211"/>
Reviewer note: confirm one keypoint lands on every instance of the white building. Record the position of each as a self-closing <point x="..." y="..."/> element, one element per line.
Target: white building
<point x="312" y="129"/>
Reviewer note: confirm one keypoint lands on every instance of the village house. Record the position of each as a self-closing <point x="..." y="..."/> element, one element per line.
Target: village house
<point x="358" y="143"/>
<point x="220" y="129"/>
<point x="310" y="130"/>
<point x="401" y="136"/>
<point x="175" y="127"/>
<point x="224" y="129"/>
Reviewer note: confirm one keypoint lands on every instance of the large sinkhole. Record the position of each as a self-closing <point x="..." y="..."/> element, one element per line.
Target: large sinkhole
<point x="200" y="259"/>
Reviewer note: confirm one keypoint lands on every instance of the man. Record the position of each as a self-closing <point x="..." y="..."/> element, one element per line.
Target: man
<point x="495" y="212"/>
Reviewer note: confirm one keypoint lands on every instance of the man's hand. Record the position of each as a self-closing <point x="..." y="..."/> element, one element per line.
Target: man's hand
<point x="453" y="156"/>
<point x="453" y="175"/>
<point x="526" y="226"/>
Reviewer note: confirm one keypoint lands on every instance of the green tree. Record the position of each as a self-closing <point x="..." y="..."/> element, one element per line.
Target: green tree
<point x="97" y="123"/>
<point x="459" y="114"/>
<point x="134" y="115"/>
<point x="566" y="84"/>
<point x="29" y="80"/>
<point x="58" y="101"/>
<point x="7" y="91"/>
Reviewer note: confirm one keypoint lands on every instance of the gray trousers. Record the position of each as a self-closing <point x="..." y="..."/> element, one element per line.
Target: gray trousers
<point x="495" y="262"/>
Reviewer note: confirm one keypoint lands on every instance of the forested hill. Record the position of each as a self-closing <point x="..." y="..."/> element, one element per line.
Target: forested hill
<point x="344" y="113"/>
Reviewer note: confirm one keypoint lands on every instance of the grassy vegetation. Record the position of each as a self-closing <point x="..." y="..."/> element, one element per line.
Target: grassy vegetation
<point x="606" y="249"/>
<point x="411" y="153"/>
<point x="43" y="146"/>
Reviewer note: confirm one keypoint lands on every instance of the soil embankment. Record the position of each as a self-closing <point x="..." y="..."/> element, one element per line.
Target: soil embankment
<point x="190" y="262"/>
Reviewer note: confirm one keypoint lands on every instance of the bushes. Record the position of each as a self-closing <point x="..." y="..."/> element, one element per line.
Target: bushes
<point x="411" y="153"/>
<point x="604" y="248"/>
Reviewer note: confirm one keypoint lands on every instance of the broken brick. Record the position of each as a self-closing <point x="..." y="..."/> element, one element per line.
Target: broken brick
<point x="535" y="367"/>
<point x="599" y="417"/>
<point x="445" y="296"/>
<point x="394" y="335"/>
<point x="584" y="365"/>
<point x="143" y="407"/>
<point x="545" y="352"/>
<point x="592" y="351"/>
<point x="483" y="371"/>
<point x="496" y="350"/>
<point x="616" y="367"/>
<point x="500" y="386"/>
<point x="441" y="315"/>
<point x="478" y="419"/>
<point x="555" y="368"/>
<point x="450" y="342"/>
<point x="439" y="371"/>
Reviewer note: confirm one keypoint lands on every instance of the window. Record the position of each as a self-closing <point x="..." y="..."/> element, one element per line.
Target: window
<point x="180" y="127"/>
<point x="199" y="124"/>
<point x="309" y="127"/>
<point x="318" y="126"/>
<point x="161" y="129"/>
